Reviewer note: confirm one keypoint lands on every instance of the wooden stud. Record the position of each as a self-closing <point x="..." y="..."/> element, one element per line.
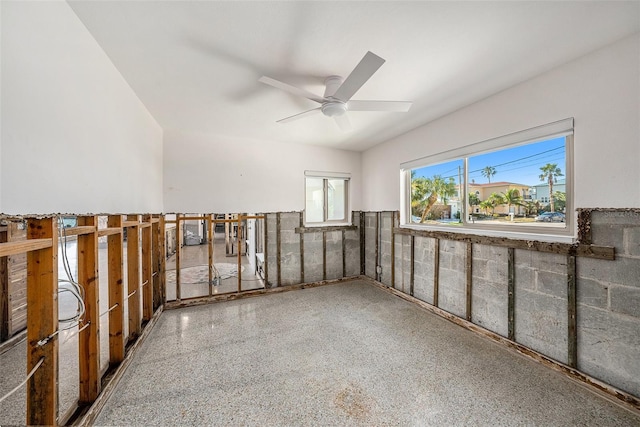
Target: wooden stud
<point x="239" y="248"/>
<point x="210" y="241"/>
<point x="42" y="323"/>
<point x="362" y="241"/>
<point x="572" y="358"/>
<point x="412" y="266"/>
<point x="147" y="270"/>
<point x="156" y="254"/>
<point x="378" y="232"/>
<point x="89" y="337"/>
<point x="116" y="292"/>
<point x="162" y="258"/>
<point x="301" y="249"/>
<point x="5" y="312"/>
<point x="133" y="276"/>
<point x="178" y="253"/>
<point x="393" y="250"/>
<point x="344" y="254"/>
<point x="436" y="270"/>
<point x="266" y="252"/>
<point x="324" y="255"/>
<point x="469" y="271"/>
<point x="511" y="289"/>
<point x="278" y="249"/>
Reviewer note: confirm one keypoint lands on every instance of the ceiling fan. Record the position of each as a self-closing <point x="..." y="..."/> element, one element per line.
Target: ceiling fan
<point x="336" y="100"/>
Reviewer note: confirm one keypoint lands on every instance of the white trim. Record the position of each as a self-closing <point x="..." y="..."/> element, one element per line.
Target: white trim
<point x="551" y="130"/>
<point x="320" y="174"/>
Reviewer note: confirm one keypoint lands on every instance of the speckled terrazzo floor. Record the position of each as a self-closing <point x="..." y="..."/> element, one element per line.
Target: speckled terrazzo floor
<point x="346" y="354"/>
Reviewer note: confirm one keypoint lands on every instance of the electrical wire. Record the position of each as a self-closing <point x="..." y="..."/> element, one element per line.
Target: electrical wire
<point x="29" y="375"/>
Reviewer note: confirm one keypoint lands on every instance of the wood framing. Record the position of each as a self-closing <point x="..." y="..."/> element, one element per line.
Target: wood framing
<point x="324" y="255"/>
<point x="412" y="266"/>
<point x="178" y="254"/>
<point x="511" y="289"/>
<point x="210" y="248"/>
<point x="89" y="336"/>
<point x="572" y="332"/>
<point x="278" y="249"/>
<point x="147" y="269"/>
<point x="42" y="324"/>
<point x="436" y="271"/>
<point x="579" y="249"/>
<point x="116" y="292"/>
<point x="133" y="276"/>
<point x="469" y="281"/>
<point x="301" y="248"/>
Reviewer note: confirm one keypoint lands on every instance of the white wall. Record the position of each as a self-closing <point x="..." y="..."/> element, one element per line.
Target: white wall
<point x="75" y="137"/>
<point x="600" y="90"/>
<point x="206" y="173"/>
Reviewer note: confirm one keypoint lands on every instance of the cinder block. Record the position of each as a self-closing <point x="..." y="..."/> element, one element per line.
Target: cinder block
<point x="541" y="323"/>
<point x="624" y="271"/>
<point x="631" y="241"/>
<point x="452" y="291"/>
<point x="625" y="300"/>
<point x="614" y="217"/>
<point x="553" y="263"/>
<point x="607" y="235"/>
<point x="608" y="346"/>
<point x="552" y="283"/>
<point x="489" y="305"/>
<point x="592" y="293"/>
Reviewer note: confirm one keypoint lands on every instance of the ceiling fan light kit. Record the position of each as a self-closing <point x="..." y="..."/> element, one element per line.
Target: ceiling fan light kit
<point x="338" y="92"/>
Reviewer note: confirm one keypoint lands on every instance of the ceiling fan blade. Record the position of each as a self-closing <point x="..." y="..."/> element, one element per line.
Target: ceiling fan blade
<point x="396" y="106"/>
<point x="291" y="89"/>
<point x="343" y="122"/>
<point x="299" y="115"/>
<point x="359" y="76"/>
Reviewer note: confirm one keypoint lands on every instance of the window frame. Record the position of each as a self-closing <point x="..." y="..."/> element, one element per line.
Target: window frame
<point x="326" y="176"/>
<point x="561" y="128"/>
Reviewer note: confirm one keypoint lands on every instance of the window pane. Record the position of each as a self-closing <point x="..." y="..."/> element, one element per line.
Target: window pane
<point x="336" y="193"/>
<point x="520" y="185"/>
<point x="436" y="193"/>
<point x="314" y="206"/>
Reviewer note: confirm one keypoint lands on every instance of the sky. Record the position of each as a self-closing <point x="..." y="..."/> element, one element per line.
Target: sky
<point x="519" y="165"/>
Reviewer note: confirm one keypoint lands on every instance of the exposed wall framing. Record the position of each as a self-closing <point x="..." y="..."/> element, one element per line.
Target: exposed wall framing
<point x="43" y="335"/>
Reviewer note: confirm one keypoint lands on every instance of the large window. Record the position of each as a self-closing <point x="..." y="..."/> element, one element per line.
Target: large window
<point x="519" y="182"/>
<point x="326" y="198"/>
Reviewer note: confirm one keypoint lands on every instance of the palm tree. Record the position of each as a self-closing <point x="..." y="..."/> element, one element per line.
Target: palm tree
<point x="550" y="174"/>
<point x="474" y="200"/>
<point x="512" y="197"/>
<point x="488" y="172"/>
<point x="425" y="191"/>
<point x="492" y="201"/>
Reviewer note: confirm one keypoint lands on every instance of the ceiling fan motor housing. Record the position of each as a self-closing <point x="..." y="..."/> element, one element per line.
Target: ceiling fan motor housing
<point x="333" y="107"/>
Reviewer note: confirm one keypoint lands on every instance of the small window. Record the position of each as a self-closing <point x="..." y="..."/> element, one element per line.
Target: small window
<point x="326" y="198"/>
<point x="520" y="183"/>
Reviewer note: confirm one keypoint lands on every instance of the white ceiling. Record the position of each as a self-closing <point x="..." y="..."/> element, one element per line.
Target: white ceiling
<point x="195" y="65"/>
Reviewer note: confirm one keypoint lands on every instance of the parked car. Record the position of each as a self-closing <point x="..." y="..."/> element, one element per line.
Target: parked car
<point x="550" y="217"/>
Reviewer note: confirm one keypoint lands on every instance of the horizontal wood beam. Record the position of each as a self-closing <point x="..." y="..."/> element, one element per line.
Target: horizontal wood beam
<point x="109" y="231"/>
<point x="23" y="246"/>
<point x="130" y="224"/>
<point x="301" y="230"/>
<point x="78" y="231"/>
<point x="589" y="251"/>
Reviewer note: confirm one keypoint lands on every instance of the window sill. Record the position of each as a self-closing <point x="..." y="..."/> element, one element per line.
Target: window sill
<point x="506" y="234"/>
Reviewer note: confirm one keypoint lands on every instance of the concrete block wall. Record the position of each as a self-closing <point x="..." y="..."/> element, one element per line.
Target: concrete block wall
<point x="423" y="268"/>
<point x="313" y="256"/>
<point x="607" y="334"/>
<point x="541" y="319"/>
<point x="607" y="292"/>
<point x="452" y="277"/>
<point x="489" y="297"/>
<point x="608" y="302"/>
